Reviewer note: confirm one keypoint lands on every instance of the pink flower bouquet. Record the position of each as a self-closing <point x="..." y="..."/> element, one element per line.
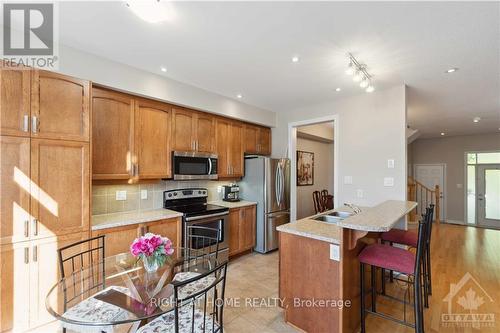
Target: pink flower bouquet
<point x="152" y="249"/>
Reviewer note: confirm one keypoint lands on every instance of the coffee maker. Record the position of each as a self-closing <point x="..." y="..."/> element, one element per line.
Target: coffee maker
<point x="231" y="193"/>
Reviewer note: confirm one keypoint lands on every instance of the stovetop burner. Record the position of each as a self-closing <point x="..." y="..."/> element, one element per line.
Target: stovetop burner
<point x="191" y="202"/>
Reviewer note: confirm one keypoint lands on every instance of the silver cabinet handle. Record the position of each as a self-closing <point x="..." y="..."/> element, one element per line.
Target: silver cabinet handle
<point x="26" y="123"/>
<point x="35" y="123"/>
<point x="35" y="253"/>
<point x="26" y="228"/>
<point x="35" y="227"/>
<point x="26" y="255"/>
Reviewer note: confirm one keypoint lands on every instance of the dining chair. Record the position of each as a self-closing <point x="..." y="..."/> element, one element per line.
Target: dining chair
<point x="86" y="257"/>
<point x="195" y="312"/>
<point x="318" y="207"/>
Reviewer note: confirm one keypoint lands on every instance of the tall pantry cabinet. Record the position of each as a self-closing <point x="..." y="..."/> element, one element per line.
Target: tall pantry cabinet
<point x="44" y="186"/>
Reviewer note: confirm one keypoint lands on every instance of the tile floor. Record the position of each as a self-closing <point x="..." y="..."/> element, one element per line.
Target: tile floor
<point x="252" y="293"/>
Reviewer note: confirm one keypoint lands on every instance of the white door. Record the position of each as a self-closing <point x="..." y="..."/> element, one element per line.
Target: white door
<point x="431" y="175"/>
<point x="488" y="195"/>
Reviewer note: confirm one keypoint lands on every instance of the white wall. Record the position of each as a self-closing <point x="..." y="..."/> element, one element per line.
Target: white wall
<point x="129" y="79"/>
<point x="323" y="175"/>
<point x="371" y="129"/>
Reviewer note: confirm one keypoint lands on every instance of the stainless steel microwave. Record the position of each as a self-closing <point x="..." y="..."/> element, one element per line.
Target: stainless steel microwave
<point x="194" y="165"/>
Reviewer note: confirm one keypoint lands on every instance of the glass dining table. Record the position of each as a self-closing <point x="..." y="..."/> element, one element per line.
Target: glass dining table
<point x="120" y="291"/>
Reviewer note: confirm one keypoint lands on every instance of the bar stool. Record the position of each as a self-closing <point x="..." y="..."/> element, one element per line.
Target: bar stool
<point x="395" y="259"/>
<point x="410" y="238"/>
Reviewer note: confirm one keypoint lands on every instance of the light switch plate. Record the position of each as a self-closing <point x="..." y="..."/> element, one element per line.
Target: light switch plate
<point x="144" y="194"/>
<point x="121" y="195"/>
<point x="390" y="164"/>
<point x="334" y="252"/>
<point x="347" y="179"/>
<point x="388" y="181"/>
<point x="359" y="193"/>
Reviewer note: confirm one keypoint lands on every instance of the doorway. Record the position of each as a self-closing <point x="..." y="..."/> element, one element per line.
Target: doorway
<point x="431" y="175"/>
<point x="294" y="135"/>
<point x="488" y="195"/>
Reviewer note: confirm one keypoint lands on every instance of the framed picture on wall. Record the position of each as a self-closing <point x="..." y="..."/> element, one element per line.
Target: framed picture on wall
<point x="305" y="168"/>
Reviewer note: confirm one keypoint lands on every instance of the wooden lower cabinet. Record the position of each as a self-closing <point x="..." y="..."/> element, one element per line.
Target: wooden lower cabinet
<point x="170" y="228"/>
<point x="28" y="271"/>
<point x="242" y="224"/>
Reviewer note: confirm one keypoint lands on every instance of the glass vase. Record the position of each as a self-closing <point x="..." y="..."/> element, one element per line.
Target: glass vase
<point x="150" y="263"/>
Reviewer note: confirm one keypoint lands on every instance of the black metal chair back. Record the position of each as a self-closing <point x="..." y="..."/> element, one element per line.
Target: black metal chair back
<point x="421" y="243"/>
<point x="206" y="305"/>
<point x="202" y="242"/>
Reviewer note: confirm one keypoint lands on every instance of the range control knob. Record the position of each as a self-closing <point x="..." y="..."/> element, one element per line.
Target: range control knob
<point x="175" y="194"/>
<point x="204" y="192"/>
<point x="170" y="195"/>
<point x="199" y="192"/>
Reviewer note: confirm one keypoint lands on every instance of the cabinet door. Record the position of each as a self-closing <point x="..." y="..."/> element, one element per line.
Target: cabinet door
<point x="167" y="228"/>
<point x="234" y="231"/>
<point x="15" y="87"/>
<point x="183" y="129"/>
<point x="14" y="287"/>
<point x="62" y="106"/>
<point x="247" y="227"/>
<point x="44" y="272"/>
<point x="205" y="127"/>
<point x="264" y="141"/>
<point x="118" y="239"/>
<point x="236" y="150"/>
<point x="15" y="185"/>
<point x="152" y="139"/>
<point x="112" y="135"/>
<point x="222" y="142"/>
<point x="60" y="187"/>
<point x="251" y="139"/>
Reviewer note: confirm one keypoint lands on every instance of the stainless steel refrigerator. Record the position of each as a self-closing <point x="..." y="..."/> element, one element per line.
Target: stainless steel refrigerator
<point x="267" y="181"/>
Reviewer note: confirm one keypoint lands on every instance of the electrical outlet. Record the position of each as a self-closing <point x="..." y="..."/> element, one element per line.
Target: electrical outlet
<point x="390" y="164"/>
<point x="144" y="194"/>
<point x="219" y="189"/>
<point x="359" y="193"/>
<point x="121" y="195"/>
<point x="347" y="179"/>
<point x="388" y="181"/>
<point x="334" y="252"/>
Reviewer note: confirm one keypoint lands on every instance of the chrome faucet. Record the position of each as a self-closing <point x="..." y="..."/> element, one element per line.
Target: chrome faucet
<point x="354" y="208"/>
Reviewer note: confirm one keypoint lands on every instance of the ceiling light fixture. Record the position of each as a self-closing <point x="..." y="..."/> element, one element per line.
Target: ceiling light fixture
<point x="476" y="119"/>
<point x="163" y="69"/>
<point x="295" y="59"/>
<point x="338" y="89"/>
<point x="452" y="70"/>
<point x="360" y="73"/>
<point x="152" y="11"/>
<point x="240" y="96"/>
<point x="442" y="133"/>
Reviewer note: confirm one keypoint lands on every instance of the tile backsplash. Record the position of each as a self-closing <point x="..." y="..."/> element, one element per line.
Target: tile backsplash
<point x="104" y="196"/>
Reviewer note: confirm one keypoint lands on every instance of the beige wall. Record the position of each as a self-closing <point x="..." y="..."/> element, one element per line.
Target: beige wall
<point x="323" y="174"/>
<point x="450" y="151"/>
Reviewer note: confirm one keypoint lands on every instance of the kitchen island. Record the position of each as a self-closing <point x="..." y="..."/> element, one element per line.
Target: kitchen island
<point x="319" y="269"/>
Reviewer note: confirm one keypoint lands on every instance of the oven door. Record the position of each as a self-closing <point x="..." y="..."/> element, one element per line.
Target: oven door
<point x="216" y="221"/>
<point x="194" y="165"/>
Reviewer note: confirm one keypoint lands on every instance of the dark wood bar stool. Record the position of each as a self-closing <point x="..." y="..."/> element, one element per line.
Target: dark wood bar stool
<point x="395" y="259"/>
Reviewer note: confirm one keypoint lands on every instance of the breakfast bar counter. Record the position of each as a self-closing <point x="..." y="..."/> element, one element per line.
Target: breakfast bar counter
<point x="319" y="269"/>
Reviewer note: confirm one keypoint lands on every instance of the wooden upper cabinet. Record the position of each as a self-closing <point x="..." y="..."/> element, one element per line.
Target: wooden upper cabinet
<point x="112" y="135"/>
<point x="257" y="140"/>
<point x="152" y="139"/>
<point x="183" y="129"/>
<point x="236" y="149"/>
<point x="15" y="87"/>
<point x="60" y="107"/>
<point x="60" y="187"/>
<point x="205" y="127"/>
<point x="15" y="186"/>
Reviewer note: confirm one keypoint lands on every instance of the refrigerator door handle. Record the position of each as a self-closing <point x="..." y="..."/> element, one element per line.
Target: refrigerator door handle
<point x="282" y="180"/>
<point x="276" y="186"/>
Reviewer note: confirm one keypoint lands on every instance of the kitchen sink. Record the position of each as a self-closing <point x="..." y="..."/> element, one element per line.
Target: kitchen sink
<point x="328" y="219"/>
<point x="342" y="215"/>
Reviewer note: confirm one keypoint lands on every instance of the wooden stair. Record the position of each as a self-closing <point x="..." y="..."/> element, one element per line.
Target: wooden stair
<point x="424" y="196"/>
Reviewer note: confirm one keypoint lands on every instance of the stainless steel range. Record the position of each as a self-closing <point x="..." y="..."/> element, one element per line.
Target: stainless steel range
<point x="192" y="203"/>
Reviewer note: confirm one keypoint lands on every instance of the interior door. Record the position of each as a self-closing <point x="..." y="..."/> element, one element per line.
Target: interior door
<point x="431" y="175"/>
<point x="15" y="87"/>
<point x="488" y="195"/>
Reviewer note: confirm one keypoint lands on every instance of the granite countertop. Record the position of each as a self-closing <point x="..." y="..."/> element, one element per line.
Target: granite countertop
<point x="380" y="218"/>
<point x="228" y="204"/>
<point x="105" y="221"/>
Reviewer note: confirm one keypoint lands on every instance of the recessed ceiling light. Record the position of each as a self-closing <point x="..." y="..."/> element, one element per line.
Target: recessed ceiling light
<point x="338" y="89"/>
<point x="370" y="89"/>
<point x="152" y="11"/>
<point x="163" y="69"/>
<point x="240" y="96"/>
<point x="476" y="119"/>
<point x="442" y="133"/>
<point x="295" y="59"/>
<point x="451" y="70"/>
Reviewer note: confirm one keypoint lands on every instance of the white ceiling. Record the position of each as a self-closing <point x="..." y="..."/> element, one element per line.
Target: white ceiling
<point x="242" y="47"/>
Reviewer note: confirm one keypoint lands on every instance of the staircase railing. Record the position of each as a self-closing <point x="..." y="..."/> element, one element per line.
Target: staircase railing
<point x="424" y="196"/>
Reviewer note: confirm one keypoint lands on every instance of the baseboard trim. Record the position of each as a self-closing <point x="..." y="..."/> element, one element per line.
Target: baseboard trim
<point x="454" y="222"/>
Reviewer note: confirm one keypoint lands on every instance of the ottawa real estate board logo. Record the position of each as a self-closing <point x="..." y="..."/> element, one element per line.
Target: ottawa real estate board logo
<point x="30" y="34"/>
<point x="468" y="305"/>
